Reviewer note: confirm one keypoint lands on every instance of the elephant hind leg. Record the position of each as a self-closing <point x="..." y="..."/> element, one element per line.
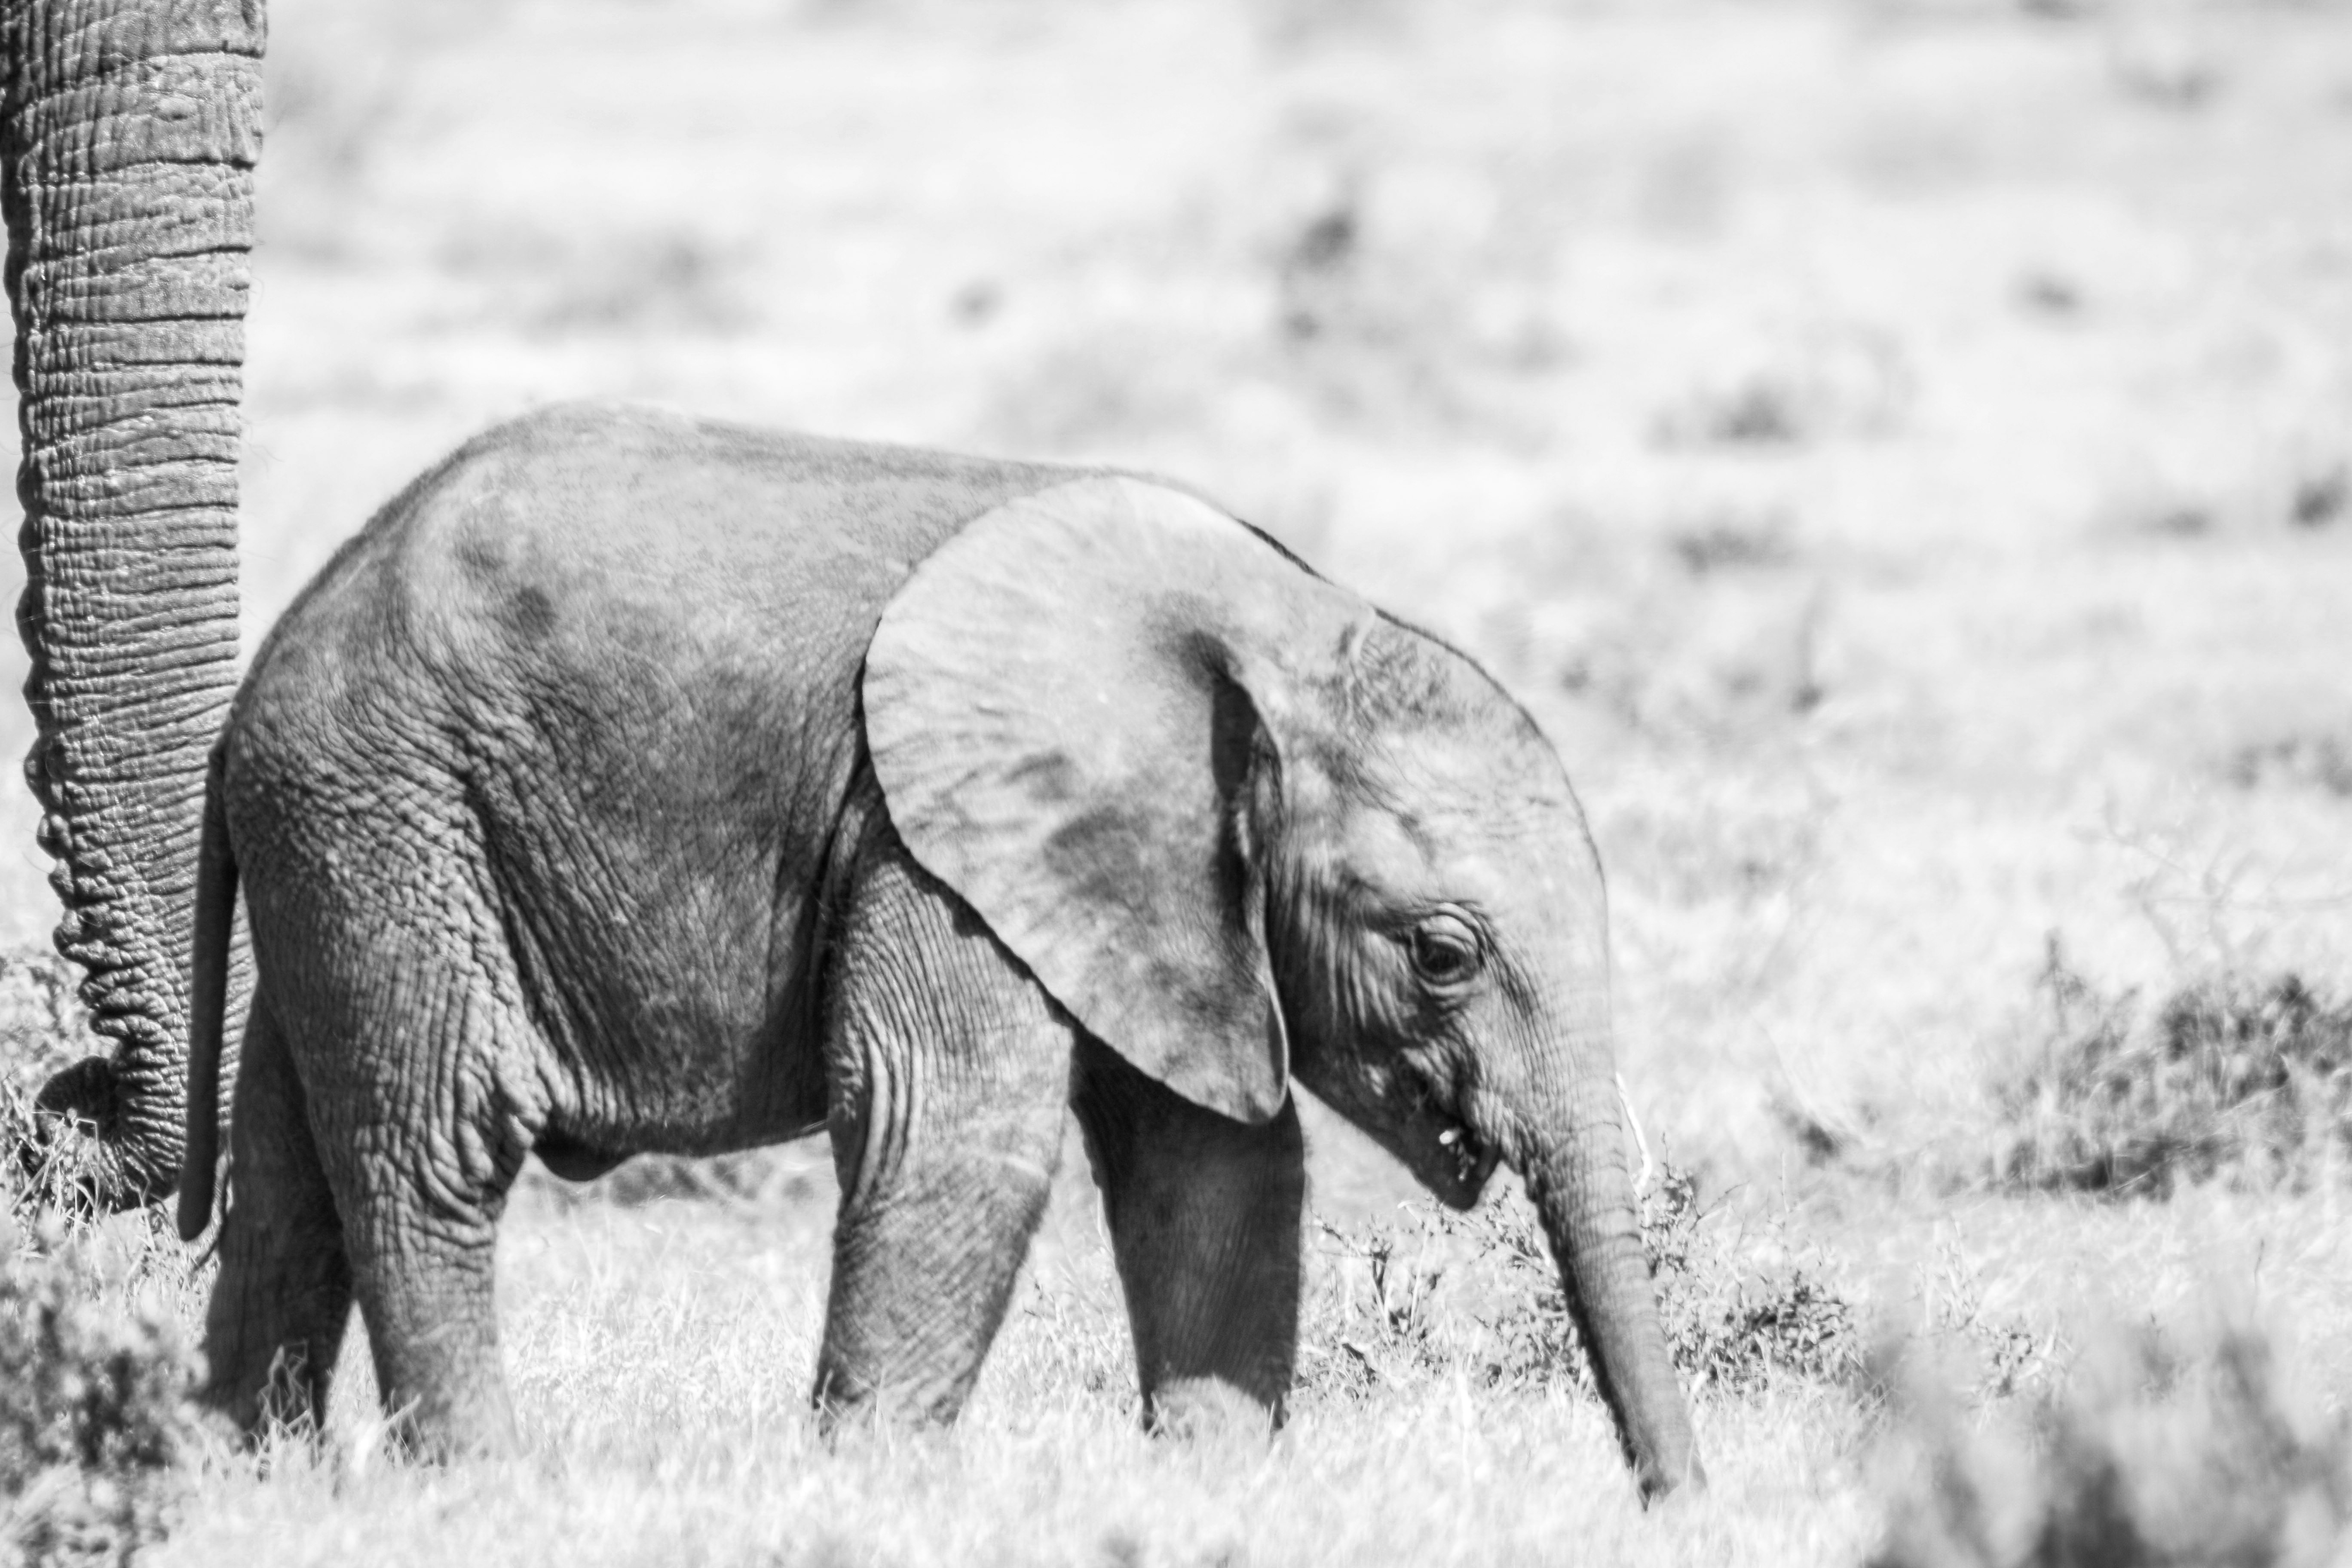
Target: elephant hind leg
<point x="1204" y="1214"/>
<point x="420" y="1199"/>
<point x="422" y="1123"/>
<point x="429" y="1300"/>
<point x="283" y="1299"/>
<point x="950" y="1077"/>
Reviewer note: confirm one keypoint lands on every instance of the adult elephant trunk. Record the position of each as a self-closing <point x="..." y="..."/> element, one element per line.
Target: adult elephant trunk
<point x="1573" y="1158"/>
<point x="126" y="173"/>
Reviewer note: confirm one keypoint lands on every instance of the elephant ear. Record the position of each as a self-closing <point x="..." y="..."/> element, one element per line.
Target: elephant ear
<point x="1064" y="704"/>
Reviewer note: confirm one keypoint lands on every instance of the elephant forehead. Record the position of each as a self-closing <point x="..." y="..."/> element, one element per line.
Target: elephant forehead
<point x="1493" y="862"/>
<point x="1488" y="763"/>
<point x="1522" y="861"/>
<point x="1462" y="786"/>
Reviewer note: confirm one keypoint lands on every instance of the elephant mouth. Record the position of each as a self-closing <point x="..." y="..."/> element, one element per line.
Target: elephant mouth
<point x="1405" y="1112"/>
<point x="1450" y="1158"/>
<point x="1473" y="1161"/>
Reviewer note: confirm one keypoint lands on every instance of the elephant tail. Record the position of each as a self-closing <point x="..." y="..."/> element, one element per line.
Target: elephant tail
<point x="207" y="1001"/>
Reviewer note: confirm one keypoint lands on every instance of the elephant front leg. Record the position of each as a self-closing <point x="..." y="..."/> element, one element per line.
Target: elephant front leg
<point x="1204" y="1215"/>
<point x="950" y="1073"/>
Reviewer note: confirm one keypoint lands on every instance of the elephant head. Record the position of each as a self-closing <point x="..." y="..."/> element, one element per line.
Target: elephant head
<point x="126" y="170"/>
<point x="1243" y="826"/>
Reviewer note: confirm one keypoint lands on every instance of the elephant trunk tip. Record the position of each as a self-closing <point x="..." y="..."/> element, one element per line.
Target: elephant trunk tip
<point x="77" y="1146"/>
<point x="1584" y="1196"/>
<point x="1660" y="1486"/>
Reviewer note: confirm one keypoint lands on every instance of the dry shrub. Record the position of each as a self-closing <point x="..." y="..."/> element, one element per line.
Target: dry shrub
<point x="1827" y="381"/>
<point x="1731" y="541"/>
<point x="1742" y="1312"/>
<point x="1478" y="1293"/>
<point x="42" y="1025"/>
<point x="38" y="1173"/>
<point x="2322" y="762"/>
<point x="93" y="1365"/>
<point x="44" y="1030"/>
<point x="2322" y="496"/>
<point x="2228" y="1077"/>
<point x="1990" y="1356"/>
<point x="2156" y="1456"/>
<point x="94" y="1427"/>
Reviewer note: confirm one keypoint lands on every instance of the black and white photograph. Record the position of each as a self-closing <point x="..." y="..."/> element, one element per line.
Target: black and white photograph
<point x="1178" y="783"/>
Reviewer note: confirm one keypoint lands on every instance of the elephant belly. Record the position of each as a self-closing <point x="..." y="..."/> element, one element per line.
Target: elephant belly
<point x="668" y="984"/>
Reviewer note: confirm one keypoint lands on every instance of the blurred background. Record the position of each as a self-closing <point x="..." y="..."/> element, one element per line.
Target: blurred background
<point x="1901" y="449"/>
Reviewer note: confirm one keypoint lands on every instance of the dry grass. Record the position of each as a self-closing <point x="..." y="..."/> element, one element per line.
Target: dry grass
<point x="43" y="1030"/>
<point x="700" y="1450"/>
<point x="660" y="1353"/>
<point x="1899" y="452"/>
<point x="96" y="1439"/>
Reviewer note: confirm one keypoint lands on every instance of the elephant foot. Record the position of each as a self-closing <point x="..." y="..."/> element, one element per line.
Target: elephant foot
<point x="446" y="1432"/>
<point x="845" y="1409"/>
<point x="284" y="1397"/>
<point x="1207" y="1410"/>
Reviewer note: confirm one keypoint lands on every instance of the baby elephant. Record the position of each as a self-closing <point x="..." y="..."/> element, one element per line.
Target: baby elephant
<point x="633" y="782"/>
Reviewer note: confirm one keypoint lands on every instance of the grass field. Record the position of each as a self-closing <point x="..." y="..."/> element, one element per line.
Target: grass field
<point x="1902" y="451"/>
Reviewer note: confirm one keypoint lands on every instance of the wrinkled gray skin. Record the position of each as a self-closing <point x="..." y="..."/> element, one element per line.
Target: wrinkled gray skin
<point x="789" y="956"/>
<point x="126" y="168"/>
<point x="632" y="783"/>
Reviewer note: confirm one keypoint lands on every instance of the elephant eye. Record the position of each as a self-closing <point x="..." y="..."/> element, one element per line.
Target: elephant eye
<point x="1445" y="949"/>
